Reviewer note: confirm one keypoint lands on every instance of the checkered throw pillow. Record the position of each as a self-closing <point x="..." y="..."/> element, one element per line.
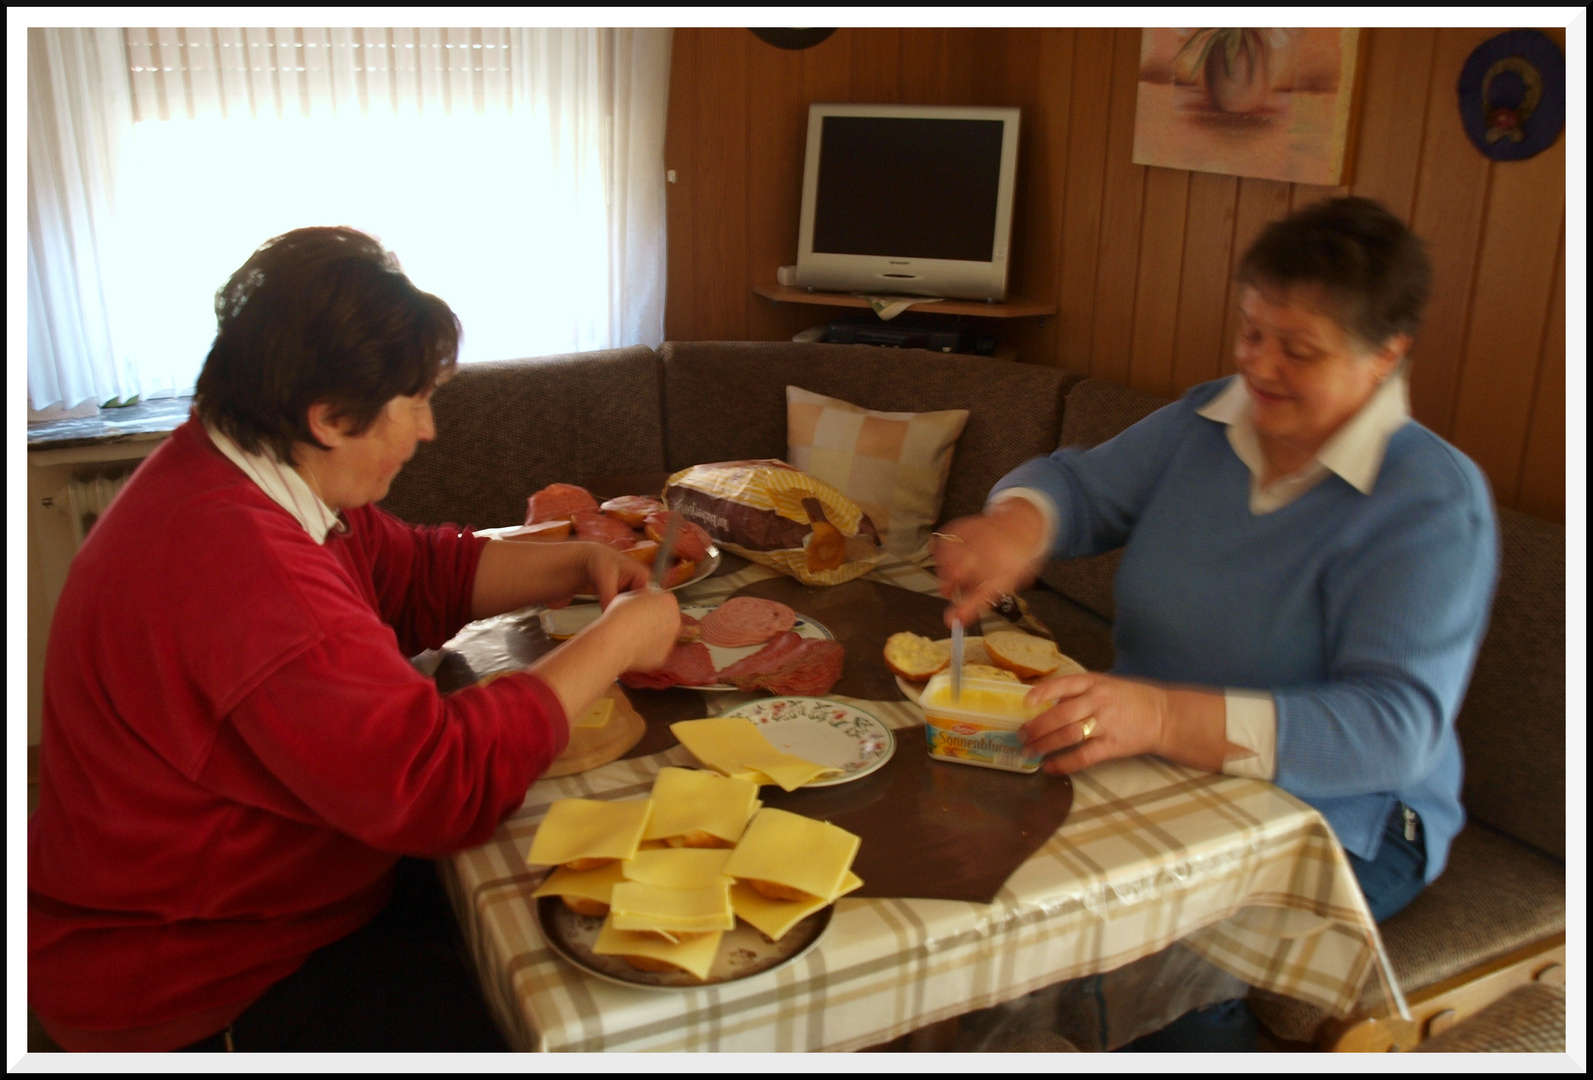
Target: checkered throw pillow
<point x="892" y="464"/>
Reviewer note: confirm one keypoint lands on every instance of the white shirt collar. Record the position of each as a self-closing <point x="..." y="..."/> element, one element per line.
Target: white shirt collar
<point x="1354" y="452"/>
<point x="284" y="486"/>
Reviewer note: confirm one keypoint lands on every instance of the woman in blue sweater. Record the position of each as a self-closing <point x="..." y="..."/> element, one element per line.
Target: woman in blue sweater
<point x="1306" y="570"/>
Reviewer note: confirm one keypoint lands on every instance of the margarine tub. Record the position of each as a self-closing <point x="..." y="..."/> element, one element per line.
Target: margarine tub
<point x="981" y="726"/>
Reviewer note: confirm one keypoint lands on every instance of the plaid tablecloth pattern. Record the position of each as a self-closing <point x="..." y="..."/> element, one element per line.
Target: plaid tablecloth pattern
<point x="1151" y="854"/>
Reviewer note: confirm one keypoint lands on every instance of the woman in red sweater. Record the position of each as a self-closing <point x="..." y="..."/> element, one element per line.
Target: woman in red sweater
<point x="237" y="755"/>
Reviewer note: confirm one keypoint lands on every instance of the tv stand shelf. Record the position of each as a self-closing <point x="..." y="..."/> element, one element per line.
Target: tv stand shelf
<point x="1014" y="308"/>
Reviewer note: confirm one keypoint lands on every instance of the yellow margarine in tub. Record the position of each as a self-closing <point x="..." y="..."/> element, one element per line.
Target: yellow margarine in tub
<point x="980" y="727"/>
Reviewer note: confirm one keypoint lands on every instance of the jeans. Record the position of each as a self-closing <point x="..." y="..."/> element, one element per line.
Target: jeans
<point x="1388" y="882"/>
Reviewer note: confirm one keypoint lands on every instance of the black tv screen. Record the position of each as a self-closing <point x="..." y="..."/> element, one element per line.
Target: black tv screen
<point x="908" y="187"/>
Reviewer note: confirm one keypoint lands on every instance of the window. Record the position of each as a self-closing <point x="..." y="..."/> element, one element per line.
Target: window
<point x="496" y="163"/>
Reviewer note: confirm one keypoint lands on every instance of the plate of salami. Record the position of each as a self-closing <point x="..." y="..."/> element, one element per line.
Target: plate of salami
<point x="634" y="525"/>
<point x="747" y="644"/>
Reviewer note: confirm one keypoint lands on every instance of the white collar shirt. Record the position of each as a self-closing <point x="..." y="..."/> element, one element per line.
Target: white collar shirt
<point x="284" y="486"/>
<point x="1354" y="452"/>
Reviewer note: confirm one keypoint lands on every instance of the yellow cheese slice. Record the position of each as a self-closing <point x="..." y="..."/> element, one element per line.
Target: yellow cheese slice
<point x="678" y="868"/>
<point x="598" y="715"/>
<point x="589" y="829"/>
<point x="796" y="851"/>
<point x="637" y="906"/>
<point x="776" y="917"/>
<point x="583" y="884"/>
<point x="734" y="746"/>
<point x="687" y="799"/>
<point x="695" y="954"/>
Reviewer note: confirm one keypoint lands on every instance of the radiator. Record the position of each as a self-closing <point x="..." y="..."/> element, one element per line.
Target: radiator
<point x="86" y="496"/>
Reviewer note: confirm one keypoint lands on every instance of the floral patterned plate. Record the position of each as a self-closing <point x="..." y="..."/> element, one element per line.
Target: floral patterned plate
<point x="824" y="732"/>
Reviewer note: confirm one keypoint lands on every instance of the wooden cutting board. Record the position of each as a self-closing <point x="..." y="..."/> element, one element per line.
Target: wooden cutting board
<point x="591" y="747"/>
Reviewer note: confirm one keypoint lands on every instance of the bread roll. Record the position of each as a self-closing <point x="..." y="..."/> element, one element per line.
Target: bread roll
<point x="771" y="891"/>
<point x="985" y="671"/>
<point x="643" y="551"/>
<point x="583" y="906"/>
<point x="914" y="657"/>
<point x="1028" y="657"/>
<point x="697" y="838"/>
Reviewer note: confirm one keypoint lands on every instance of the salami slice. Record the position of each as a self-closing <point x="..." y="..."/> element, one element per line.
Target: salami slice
<point x="558" y="501"/>
<point x="687" y="665"/>
<point x="593" y="525"/>
<point x="632" y="509"/>
<point x="746" y="620"/>
<point x="765" y="659"/>
<point x="809" y="671"/>
<point x="691" y="541"/>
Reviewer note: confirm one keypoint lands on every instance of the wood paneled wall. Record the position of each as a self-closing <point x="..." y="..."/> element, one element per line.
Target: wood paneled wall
<point x="1139" y="259"/>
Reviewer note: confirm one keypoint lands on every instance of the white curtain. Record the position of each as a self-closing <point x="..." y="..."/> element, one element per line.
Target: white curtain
<point x="517" y="173"/>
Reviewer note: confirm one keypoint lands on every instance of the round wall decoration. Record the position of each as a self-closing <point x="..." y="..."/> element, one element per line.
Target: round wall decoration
<point x="1512" y="95"/>
<point x="793" y="39"/>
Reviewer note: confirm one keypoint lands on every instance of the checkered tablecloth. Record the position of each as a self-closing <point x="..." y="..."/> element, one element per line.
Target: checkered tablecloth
<point x="1151" y="854"/>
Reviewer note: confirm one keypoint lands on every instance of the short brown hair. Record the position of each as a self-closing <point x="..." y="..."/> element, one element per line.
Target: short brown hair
<point x="1372" y="269"/>
<point x="320" y="315"/>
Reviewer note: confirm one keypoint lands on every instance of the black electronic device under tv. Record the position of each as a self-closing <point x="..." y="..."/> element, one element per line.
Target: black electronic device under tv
<point x="908" y="199"/>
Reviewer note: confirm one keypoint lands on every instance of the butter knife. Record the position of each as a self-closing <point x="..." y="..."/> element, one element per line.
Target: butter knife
<point x="956" y="657"/>
<point x="666" y="548"/>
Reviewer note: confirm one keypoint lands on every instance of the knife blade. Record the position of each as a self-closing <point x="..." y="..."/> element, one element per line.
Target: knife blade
<point x="666" y="548"/>
<point x="956" y="655"/>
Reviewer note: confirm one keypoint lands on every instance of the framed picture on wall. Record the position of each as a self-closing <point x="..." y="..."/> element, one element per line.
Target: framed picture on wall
<point x="1270" y="102"/>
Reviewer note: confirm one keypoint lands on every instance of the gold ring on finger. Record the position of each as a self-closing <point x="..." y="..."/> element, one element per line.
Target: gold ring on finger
<point x="1087" y="728"/>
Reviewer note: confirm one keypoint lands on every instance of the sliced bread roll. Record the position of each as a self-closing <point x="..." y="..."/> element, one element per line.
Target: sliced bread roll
<point x="1028" y="657"/>
<point x="985" y="671"/>
<point x="914" y="657"/>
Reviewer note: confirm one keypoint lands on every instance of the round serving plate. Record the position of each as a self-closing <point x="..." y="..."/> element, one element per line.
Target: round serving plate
<point x="723" y="657"/>
<point x="744" y="953"/>
<point x="824" y="732"/>
<point x="705" y="568"/>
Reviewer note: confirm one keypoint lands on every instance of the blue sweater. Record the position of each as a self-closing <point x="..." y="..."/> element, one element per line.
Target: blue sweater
<point x="1362" y="614"/>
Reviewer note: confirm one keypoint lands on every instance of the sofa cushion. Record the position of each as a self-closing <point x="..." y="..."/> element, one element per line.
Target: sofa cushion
<point x="508" y="428"/>
<point x="726" y="400"/>
<point x="1096" y="411"/>
<point x="1512" y="722"/>
<point x="1496" y="895"/>
<point x="892" y="464"/>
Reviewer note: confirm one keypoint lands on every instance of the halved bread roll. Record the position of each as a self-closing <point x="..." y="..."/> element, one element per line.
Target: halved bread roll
<point x="914" y="657"/>
<point x="985" y="671"/>
<point x="770" y="890"/>
<point x="1028" y="657"/>
<point x="697" y="838"/>
<point x="583" y="906"/>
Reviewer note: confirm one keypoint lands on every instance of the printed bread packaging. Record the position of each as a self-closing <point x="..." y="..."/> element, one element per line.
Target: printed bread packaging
<point x="771" y="513"/>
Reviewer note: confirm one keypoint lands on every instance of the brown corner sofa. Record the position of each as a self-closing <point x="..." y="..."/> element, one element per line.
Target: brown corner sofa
<point x="1494" y="920"/>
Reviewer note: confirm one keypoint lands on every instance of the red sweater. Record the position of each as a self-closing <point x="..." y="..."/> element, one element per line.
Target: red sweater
<point x="236" y="751"/>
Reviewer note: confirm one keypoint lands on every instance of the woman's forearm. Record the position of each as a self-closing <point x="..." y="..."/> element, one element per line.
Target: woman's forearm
<point x="1195" y="732"/>
<point x="514" y="573"/>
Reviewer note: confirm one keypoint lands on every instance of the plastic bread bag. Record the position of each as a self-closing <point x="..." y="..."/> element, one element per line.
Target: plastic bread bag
<point x="773" y="514"/>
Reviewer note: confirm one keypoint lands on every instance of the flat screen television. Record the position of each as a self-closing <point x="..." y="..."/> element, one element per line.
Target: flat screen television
<point x="908" y="199"/>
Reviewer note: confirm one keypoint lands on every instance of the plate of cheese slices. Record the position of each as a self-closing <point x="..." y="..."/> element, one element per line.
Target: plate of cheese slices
<point x="697" y="884"/>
